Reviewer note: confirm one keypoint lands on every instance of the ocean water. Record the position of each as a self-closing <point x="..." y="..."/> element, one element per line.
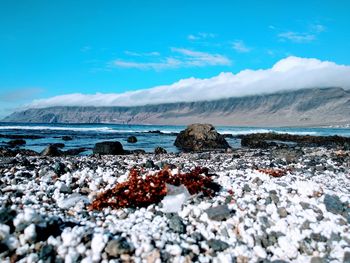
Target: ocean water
<point x="86" y="135"/>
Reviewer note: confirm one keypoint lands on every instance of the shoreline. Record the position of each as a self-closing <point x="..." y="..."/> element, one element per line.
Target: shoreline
<point x="302" y="216"/>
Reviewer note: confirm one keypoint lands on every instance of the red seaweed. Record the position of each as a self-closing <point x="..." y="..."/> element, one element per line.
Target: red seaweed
<point x="139" y="191"/>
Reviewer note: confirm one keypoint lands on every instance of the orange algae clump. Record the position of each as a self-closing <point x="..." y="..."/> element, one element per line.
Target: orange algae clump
<point x="141" y="191"/>
<point x="273" y="172"/>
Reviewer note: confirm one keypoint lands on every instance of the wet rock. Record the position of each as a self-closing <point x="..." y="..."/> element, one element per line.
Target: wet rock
<point x="218" y="213"/>
<point x="200" y="137"/>
<point x="217" y="245"/>
<point x="117" y="247"/>
<point x="160" y="150"/>
<point x="108" y="148"/>
<point x="176" y="224"/>
<point x="333" y="204"/>
<point x="67" y="138"/>
<point x="132" y="139"/>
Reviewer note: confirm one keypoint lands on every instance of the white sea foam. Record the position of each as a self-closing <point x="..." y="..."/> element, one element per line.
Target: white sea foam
<point x="59" y="128"/>
<point x="251" y="131"/>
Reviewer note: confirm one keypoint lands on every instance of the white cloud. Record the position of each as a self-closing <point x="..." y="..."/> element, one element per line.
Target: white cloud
<point x="318" y="28"/>
<point x="140" y="54"/>
<point x="240" y="47"/>
<point x="297" y="37"/>
<point x="184" y="58"/>
<point x="303" y="37"/>
<point x="287" y="74"/>
<point x="200" y="36"/>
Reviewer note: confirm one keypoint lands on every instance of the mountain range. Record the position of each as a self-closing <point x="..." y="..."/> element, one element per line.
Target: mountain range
<point x="304" y="107"/>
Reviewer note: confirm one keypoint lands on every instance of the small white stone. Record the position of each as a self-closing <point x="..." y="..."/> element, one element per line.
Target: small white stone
<point x="4" y="232"/>
<point x="286" y="245"/>
<point x="174" y="250"/>
<point x="260" y="252"/>
<point x="30" y="233"/>
<point x="97" y="243"/>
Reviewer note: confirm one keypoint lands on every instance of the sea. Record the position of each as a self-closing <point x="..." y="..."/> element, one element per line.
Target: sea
<point x="148" y="136"/>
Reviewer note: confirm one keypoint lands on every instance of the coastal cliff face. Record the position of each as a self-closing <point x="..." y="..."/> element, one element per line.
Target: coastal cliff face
<point x="308" y="107"/>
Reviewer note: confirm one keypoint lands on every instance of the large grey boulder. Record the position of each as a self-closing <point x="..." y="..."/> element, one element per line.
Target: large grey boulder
<point x="200" y="137"/>
<point x="108" y="148"/>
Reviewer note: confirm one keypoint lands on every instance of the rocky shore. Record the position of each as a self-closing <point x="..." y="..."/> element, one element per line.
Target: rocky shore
<point x="275" y="205"/>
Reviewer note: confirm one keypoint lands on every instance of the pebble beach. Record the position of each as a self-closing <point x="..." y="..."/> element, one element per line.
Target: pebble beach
<point x="301" y="215"/>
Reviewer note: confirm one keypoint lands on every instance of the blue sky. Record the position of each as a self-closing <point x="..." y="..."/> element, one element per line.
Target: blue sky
<point x="50" y="48"/>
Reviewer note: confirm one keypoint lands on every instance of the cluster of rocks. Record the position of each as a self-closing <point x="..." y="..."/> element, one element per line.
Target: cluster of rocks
<point x="265" y="140"/>
<point x="303" y="216"/>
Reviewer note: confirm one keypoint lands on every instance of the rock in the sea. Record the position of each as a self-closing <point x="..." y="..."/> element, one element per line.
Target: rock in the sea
<point x="58" y="145"/>
<point x="67" y="138"/>
<point x="51" y="151"/>
<point x="218" y="213"/>
<point x="159" y="150"/>
<point x="200" y="137"/>
<point x="108" y="148"/>
<point x="132" y="139"/>
<point x="17" y="142"/>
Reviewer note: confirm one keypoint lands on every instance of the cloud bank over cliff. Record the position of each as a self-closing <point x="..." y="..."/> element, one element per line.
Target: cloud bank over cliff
<point x="290" y="73"/>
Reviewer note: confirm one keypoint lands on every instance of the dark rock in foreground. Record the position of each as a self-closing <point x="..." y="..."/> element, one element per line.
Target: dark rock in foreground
<point x="52" y="151"/>
<point x="16" y="142"/>
<point x="4" y="152"/>
<point x="108" y="148"/>
<point x="159" y="150"/>
<point x="200" y="137"/>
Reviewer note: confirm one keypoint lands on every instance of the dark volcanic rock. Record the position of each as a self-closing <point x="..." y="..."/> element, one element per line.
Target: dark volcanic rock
<point x="333" y="204"/>
<point x="132" y="139"/>
<point x="176" y="224"/>
<point x="117" y="247"/>
<point x="218" y="213"/>
<point x="58" y="145"/>
<point x="159" y="150"/>
<point x="16" y="142"/>
<point x="4" y="152"/>
<point x="75" y="151"/>
<point x="51" y="151"/>
<point x="67" y="138"/>
<point x="47" y="253"/>
<point x="217" y="245"/>
<point x="260" y="140"/>
<point x="200" y="137"/>
<point x="108" y="148"/>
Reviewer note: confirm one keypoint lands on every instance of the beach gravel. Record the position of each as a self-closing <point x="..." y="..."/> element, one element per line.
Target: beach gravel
<point x="300" y="216"/>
